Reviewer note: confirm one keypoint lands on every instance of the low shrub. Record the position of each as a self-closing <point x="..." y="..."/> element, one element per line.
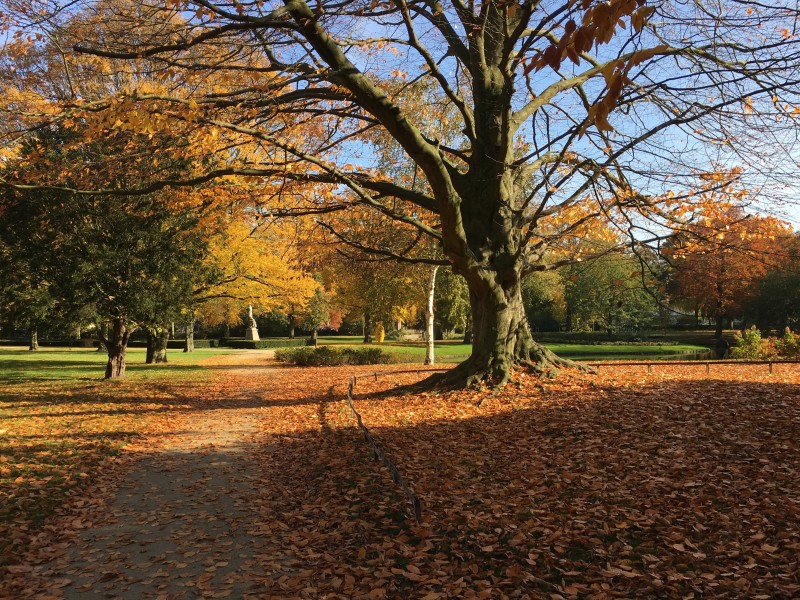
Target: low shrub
<point x="331" y="356"/>
<point x="72" y="343"/>
<point x="750" y="344"/>
<point x="788" y="346"/>
<point x="197" y="344"/>
<point x="176" y="344"/>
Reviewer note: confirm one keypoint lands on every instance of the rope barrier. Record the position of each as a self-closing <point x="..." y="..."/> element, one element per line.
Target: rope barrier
<point x="377" y="453"/>
<point x="650" y="364"/>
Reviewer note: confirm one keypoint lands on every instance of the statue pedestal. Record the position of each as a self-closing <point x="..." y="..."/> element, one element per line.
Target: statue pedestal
<point x="251" y="333"/>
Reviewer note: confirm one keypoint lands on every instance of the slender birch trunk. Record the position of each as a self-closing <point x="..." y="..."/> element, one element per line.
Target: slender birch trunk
<point x="429" y="358"/>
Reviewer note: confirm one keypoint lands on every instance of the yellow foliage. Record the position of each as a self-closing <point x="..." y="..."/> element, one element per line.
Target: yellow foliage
<point x="254" y="266"/>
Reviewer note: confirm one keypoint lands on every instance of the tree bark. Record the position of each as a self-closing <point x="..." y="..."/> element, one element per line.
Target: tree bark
<point x="188" y="345"/>
<point x="291" y="327"/>
<point x="116" y="346"/>
<point x="34" y="343"/>
<point x="367" y="327"/>
<point x="160" y="340"/>
<point x="502" y="338"/>
<point x="102" y="334"/>
<point x="157" y="340"/>
<point x="150" y="350"/>
<point x="429" y="357"/>
<point x="468" y="335"/>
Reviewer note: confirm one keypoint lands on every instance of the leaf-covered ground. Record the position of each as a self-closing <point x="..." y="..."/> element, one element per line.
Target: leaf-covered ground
<point x="676" y="484"/>
<point x="60" y="425"/>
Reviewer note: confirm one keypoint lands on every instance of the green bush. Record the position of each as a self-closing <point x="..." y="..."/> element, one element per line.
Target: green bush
<point x="268" y="343"/>
<point x="330" y="356"/>
<point x="789" y="345"/>
<point x="748" y="344"/>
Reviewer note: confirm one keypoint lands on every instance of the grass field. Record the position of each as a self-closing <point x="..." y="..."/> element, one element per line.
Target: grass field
<point x="59" y="421"/>
<point x="64" y="364"/>
<point x="455" y="351"/>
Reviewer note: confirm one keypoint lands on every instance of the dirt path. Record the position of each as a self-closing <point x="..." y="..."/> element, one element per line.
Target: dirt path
<point x="258" y="489"/>
<point x="178" y="527"/>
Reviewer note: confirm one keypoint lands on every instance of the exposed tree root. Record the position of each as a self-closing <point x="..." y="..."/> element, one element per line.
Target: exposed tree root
<point x="476" y="372"/>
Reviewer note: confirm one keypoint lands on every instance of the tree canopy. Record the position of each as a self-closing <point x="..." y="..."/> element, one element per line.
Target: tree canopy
<point x="564" y="114"/>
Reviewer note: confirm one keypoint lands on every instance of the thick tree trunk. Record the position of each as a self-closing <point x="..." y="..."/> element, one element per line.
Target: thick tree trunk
<point x="150" y="350"/>
<point x="157" y="339"/>
<point x="116" y="346"/>
<point x="718" y="328"/>
<point x="468" y="335"/>
<point x="34" y="343"/>
<point x="160" y="340"/>
<point x="291" y="327"/>
<point x="367" y="327"/>
<point x="502" y="338"/>
<point x="102" y="329"/>
<point x="188" y="345"/>
<point x="429" y="358"/>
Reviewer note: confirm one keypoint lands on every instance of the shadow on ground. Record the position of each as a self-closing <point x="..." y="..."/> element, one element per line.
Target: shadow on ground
<point x="586" y="488"/>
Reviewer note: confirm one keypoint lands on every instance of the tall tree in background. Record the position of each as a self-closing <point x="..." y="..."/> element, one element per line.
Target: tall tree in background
<point x="567" y="112"/>
<point x="608" y="293"/>
<point x="25" y="297"/>
<point x="720" y="260"/>
<point x="253" y="264"/>
<point x="543" y="297"/>
<point x="451" y="304"/>
<point x="776" y="301"/>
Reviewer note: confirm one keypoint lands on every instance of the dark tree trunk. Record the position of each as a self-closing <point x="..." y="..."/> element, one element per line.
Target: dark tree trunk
<point x="160" y="340"/>
<point x="150" y="351"/>
<point x="157" y="339"/>
<point x="102" y="334"/>
<point x="188" y="345"/>
<point x="718" y="329"/>
<point x="34" y="343"/>
<point x="468" y="335"/>
<point x="367" y="327"/>
<point x="116" y="346"/>
<point x="502" y="338"/>
<point x="291" y="327"/>
<point x="226" y="331"/>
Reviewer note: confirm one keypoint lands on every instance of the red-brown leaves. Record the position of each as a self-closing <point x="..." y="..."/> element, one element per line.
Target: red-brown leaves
<point x="623" y="484"/>
<point x="619" y="485"/>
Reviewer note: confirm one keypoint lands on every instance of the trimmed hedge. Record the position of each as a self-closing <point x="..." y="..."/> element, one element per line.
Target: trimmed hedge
<point x="330" y="356"/>
<point x="267" y="343"/>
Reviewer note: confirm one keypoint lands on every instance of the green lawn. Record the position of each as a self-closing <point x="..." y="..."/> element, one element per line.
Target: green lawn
<point x="64" y="364"/>
<point x="593" y="352"/>
<point x="455" y="351"/>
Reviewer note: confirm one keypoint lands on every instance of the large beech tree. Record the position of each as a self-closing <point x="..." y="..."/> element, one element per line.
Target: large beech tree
<point x="567" y="113"/>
